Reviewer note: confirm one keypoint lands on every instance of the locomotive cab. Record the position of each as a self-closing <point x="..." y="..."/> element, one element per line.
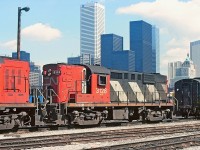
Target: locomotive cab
<point x="97" y="85"/>
<point x="77" y="83"/>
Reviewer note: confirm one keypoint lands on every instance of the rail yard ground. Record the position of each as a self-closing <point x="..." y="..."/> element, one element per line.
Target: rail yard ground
<point x="98" y="138"/>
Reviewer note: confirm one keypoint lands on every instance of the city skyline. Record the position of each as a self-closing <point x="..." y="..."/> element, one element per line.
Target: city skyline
<point x="51" y="34"/>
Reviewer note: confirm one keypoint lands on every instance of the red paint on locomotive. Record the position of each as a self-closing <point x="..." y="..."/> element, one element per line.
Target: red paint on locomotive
<point x="14" y="77"/>
<point x="76" y="84"/>
<point x="99" y="93"/>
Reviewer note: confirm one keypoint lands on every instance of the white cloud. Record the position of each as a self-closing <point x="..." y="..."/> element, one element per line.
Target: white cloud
<point x="173" y="54"/>
<point x="37" y="32"/>
<point x="176" y="15"/>
<point x="179" y="19"/>
<point x="41" y="32"/>
<point x="9" y="45"/>
<point x="177" y="42"/>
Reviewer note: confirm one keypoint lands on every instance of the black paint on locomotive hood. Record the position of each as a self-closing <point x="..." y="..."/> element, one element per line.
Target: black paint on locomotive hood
<point x="94" y="69"/>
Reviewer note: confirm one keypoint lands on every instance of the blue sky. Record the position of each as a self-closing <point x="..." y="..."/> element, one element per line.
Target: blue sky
<point x="51" y="29"/>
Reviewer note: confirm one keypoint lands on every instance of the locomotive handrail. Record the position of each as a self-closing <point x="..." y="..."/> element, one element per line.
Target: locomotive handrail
<point x="58" y="98"/>
<point x="174" y="98"/>
<point x="42" y="93"/>
<point x="53" y="92"/>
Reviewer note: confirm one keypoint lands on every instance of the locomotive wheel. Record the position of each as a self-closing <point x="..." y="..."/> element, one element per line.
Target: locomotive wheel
<point x="187" y="114"/>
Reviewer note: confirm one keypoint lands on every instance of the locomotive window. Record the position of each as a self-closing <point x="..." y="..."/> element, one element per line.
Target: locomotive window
<point x="115" y="75"/>
<point x="102" y="80"/>
<point x="132" y="76"/>
<point x="139" y="77"/>
<point x="125" y="75"/>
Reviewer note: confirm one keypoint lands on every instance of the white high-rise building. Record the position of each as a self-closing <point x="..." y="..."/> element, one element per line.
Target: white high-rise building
<point x="184" y="71"/>
<point x="35" y="76"/>
<point x="195" y="55"/>
<point x="172" y="66"/>
<point x="35" y="79"/>
<point x="92" y="25"/>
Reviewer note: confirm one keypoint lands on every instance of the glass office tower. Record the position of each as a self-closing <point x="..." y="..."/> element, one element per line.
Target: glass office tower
<point x="141" y="43"/>
<point x="155" y="50"/>
<point x="112" y="54"/>
<point x="92" y="25"/>
<point x="110" y="43"/>
<point x="194" y="54"/>
<point x="25" y="56"/>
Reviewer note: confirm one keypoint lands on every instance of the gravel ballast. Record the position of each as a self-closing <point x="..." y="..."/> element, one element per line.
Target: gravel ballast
<point x="76" y="146"/>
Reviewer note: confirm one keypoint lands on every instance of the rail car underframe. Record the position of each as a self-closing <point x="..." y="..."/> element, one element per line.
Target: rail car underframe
<point x="94" y="113"/>
<point x="15" y="115"/>
<point x="129" y="111"/>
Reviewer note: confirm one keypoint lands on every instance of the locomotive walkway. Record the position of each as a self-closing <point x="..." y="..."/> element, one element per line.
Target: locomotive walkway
<point x="110" y="135"/>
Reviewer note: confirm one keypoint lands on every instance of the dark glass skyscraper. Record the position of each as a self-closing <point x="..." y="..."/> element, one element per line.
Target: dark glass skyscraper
<point x="112" y="54"/>
<point x="123" y="60"/>
<point x="23" y="55"/>
<point x="110" y="43"/>
<point x="141" y="43"/>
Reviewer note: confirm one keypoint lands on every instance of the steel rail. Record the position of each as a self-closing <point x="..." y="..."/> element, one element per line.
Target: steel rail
<point x="100" y="136"/>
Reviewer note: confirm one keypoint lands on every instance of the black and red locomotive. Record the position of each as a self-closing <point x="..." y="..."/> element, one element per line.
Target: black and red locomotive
<point x="79" y="94"/>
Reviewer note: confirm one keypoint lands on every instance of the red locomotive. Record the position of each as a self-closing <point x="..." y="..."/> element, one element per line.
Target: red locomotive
<point x="89" y="94"/>
<point x="79" y="94"/>
<point x="14" y="93"/>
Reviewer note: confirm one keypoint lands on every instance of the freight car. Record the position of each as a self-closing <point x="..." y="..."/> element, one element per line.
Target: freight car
<point x="79" y="94"/>
<point x="187" y="93"/>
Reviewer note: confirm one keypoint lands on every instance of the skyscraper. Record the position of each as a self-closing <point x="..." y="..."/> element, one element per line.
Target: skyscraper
<point x="181" y="70"/>
<point x="35" y="77"/>
<point x="172" y="66"/>
<point x="92" y="26"/>
<point x="23" y="55"/>
<point x="110" y="43"/>
<point x="73" y="60"/>
<point x="194" y="54"/>
<point x="155" y="49"/>
<point x="143" y="42"/>
<point x="112" y="54"/>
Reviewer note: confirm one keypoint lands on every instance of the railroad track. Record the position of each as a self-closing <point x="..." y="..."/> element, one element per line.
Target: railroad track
<point x="104" y="124"/>
<point x="88" y="137"/>
<point x="161" y="144"/>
